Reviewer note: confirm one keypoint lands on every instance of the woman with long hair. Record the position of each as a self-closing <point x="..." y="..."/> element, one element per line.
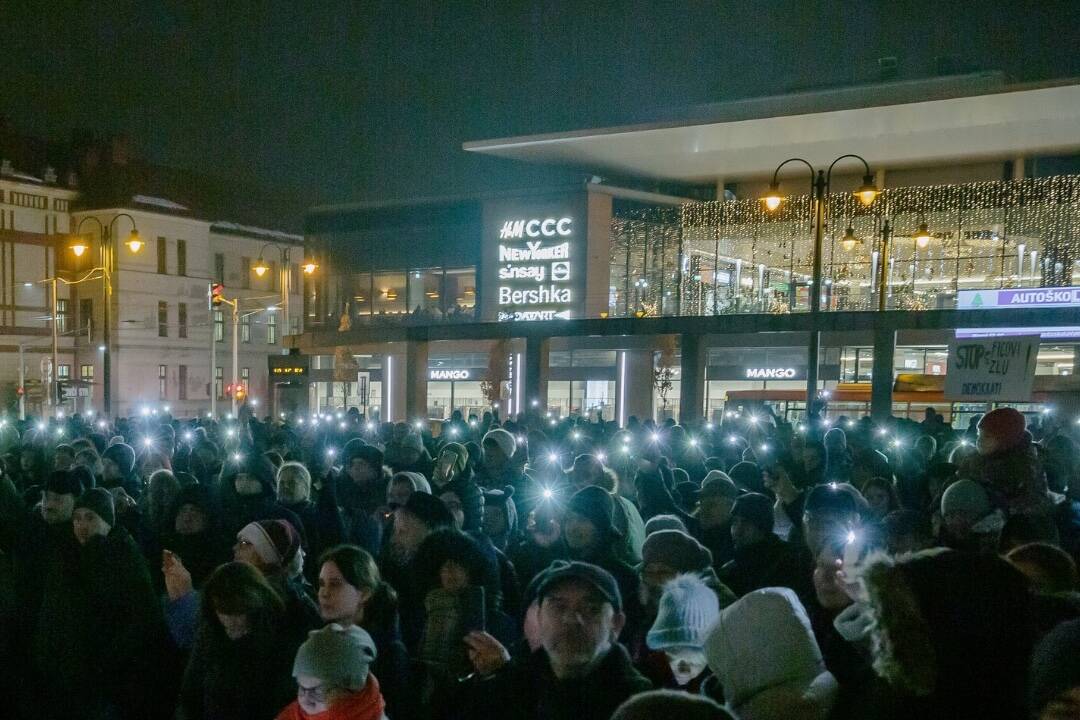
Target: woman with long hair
<point x="352" y="592"/>
<point x="240" y="666"/>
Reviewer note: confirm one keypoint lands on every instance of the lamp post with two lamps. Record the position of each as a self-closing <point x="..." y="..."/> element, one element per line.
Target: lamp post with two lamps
<point x="285" y="280"/>
<point x="819" y="190"/>
<point x="107" y="261"/>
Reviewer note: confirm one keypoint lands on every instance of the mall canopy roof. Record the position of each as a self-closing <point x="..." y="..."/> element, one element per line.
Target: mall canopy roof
<point x="903" y="124"/>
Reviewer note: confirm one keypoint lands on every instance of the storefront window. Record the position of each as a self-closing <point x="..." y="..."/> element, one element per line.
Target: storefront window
<point x="360" y="291"/>
<point x="460" y="288"/>
<point x="425" y="292"/>
<point x="1056" y="360"/>
<point x="389" y="296"/>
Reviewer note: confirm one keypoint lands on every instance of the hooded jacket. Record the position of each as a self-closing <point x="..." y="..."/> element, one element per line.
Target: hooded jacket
<point x="763" y="651"/>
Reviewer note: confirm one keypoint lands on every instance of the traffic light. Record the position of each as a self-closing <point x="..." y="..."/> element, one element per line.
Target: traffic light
<point x="228" y="390"/>
<point x="217" y="294"/>
<point x="241" y="393"/>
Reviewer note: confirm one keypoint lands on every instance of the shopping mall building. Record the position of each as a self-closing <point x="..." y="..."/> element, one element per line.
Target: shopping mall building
<point x="661" y="285"/>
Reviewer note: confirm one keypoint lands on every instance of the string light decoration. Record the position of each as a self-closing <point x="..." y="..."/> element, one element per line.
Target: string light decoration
<point x="706" y="258"/>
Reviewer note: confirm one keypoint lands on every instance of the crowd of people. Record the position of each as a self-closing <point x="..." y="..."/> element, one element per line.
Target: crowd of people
<point x="330" y="566"/>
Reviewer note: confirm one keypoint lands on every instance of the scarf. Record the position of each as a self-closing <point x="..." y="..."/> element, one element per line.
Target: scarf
<point x="368" y="704"/>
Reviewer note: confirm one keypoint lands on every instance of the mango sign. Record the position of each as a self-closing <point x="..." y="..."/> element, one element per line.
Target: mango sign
<point x="992" y="369"/>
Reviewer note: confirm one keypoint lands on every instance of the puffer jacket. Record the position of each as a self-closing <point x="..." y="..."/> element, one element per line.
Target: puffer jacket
<point x="763" y="651"/>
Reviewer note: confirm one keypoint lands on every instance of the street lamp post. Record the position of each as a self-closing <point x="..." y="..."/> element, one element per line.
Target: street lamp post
<point x="107" y="261"/>
<point x="284" y="278"/>
<point x="819" y="190"/>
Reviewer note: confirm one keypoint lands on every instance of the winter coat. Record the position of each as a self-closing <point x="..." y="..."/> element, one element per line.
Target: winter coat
<point x="763" y="651"/>
<point x="359" y="509"/>
<point x="322" y="526"/>
<point x="628" y="521"/>
<point x="367" y="704"/>
<point x="769" y="563"/>
<point x="528" y="690"/>
<point x="232" y="679"/>
<point x="100" y="637"/>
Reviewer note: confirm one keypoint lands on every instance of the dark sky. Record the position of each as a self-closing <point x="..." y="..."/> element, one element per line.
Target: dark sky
<point x="372" y="100"/>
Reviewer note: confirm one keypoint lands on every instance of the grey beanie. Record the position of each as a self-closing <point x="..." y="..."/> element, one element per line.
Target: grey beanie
<point x="338" y="656"/>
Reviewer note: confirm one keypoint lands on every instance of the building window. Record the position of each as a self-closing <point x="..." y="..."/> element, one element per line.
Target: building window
<point x="219" y="268"/>
<point x="86" y="316"/>
<point x="63" y="316"/>
<point x="245" y="273"/>
<point x="181" y="320"/>
<point x="163" y="319"/>
<point x="219" y="383"/>
<point x="162" y="375"/>
<point x="245" y="328"/>
<point x="162" y="256"/>
<point x="219" y="326"/>
<point x="245" y="379"/>
<point x="271" y="329"/>
<point x="86" y="373"/>
<point x="63" y="373"/>
<point x="181" y="382"/>
<point x="181" y="257"/>
<point x="60" y="205"/>
<point x="29" y="200"/>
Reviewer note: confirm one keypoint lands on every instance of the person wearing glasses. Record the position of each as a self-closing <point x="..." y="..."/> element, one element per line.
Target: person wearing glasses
<point x="333" y="677"/>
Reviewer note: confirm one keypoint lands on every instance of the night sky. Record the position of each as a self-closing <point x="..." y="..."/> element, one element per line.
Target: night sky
<point x="372" y="100"/>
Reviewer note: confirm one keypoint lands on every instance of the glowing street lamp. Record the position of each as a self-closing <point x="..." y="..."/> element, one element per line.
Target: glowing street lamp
<point x="79" y="247"/>
<point x="922" y="235"/>
<point x="134" y="242"/>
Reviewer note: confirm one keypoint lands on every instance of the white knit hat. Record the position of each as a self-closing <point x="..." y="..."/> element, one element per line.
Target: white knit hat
<point x="276" y="542"/>
<point x="688" y="608"/>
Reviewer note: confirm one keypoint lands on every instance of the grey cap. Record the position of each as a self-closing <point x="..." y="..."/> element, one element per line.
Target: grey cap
<point x="339" y="656"/>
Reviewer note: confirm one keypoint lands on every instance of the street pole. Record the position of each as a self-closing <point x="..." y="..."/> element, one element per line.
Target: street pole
<point x="22" y="384"/>
<point x="213" y="364"/>
<point x="883" y="265"/>
<point x="106" y="329"/>
<point x="812" y="350"/>
<point x="286" y="277"/>
<point x="235" y="350"/>
<point x="54" y="394"/>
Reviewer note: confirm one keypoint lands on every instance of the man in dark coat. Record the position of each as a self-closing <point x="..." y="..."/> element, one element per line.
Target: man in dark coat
<point x="761" y="558"/>
<point x="100" y="638"/>
<point x="579" y="671"/>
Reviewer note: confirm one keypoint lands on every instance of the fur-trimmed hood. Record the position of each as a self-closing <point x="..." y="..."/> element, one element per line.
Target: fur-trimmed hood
<point x="764" y="653"/>
<point x="951" y="627"/>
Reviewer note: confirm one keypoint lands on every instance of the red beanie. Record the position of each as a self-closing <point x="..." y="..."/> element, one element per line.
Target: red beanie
<point x="1005" y="425"/>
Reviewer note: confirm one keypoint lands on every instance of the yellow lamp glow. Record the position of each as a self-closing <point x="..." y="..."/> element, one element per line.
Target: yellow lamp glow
<point x="773" y="198"/>
<point x="309" y="267"/>
<point x="867" y="192"/>
<point x="260" y="268"/>
<point x="134" y="242"/>
<point x="922" y="236"/>
<point x="78" y="248"/>
<point x="849" y="241"/>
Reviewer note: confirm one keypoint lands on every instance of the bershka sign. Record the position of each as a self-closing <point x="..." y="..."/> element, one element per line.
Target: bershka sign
<point x="771" y="373"/>
<point x="441" y="374"/>
<point x="534" y="260"/>
<point x="1001" y="369"/>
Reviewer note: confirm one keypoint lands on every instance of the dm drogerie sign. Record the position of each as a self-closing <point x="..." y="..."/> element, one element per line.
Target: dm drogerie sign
<point x="992" y="369"/>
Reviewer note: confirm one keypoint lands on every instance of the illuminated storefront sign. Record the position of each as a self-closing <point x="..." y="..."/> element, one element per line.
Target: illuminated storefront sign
<point x="449" y="374"/>
<point x="534" y="276"/>
<point x="772" y="373"/>
<point x="1018" y="298"/>
<point x="287" y="368"/>
<point x="1047" y="297"/>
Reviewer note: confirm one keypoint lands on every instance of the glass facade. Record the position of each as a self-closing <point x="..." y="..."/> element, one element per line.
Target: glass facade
<point x="716" y="258"/>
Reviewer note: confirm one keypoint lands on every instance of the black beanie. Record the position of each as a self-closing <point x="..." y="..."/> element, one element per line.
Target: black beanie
<point x="357" y="448"/>
<point x="123" y="455"/>
<point x="756" y="509"/>
<point x="472" y="502"/>
<point x="83" y="475"/>
<point x="63" y="482"/>
<point x="1054" y="666"/>
<point x="430" y="510"/>
<point x="595" y="504"/>
<point x="101" y="502"/>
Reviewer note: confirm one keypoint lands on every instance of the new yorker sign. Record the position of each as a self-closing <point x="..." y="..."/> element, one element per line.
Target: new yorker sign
<point x="534" y="259"/>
